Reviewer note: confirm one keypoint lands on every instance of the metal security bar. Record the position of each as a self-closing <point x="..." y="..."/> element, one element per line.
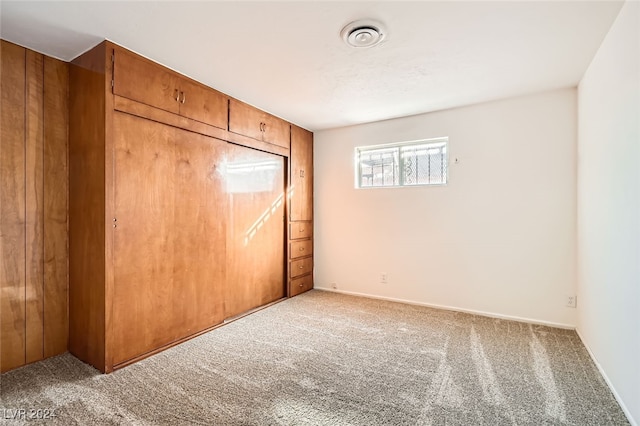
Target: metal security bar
<point x="406" y="164"/>
<point x="379" y="167"/>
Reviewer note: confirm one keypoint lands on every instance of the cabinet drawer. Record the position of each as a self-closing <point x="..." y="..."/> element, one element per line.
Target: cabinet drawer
<point x="300" y="249"/>
<point x="299" y="230"/>
<point x="300" y="285"/>
<point x="301" y="267"/>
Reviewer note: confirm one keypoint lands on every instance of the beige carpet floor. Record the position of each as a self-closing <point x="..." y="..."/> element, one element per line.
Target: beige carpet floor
<point x="329" y="359"/>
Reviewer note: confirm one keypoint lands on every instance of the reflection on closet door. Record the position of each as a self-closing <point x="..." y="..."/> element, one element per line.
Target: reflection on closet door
<point x="254" y="184"/>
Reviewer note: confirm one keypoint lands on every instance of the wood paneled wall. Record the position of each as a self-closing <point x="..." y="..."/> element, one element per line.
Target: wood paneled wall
<point x="33" y="206"/>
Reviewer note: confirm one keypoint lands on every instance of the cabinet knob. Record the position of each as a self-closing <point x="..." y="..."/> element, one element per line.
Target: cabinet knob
<point x="184" y="97"/>
<point x="301" y="248"/>
<point x="300" y="267"/>
<point x="301" y="284"/>
<point x="301" y="229"/>
<point x="176" y="93"/>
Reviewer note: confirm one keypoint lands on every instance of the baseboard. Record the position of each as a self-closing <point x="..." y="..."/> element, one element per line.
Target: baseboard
<point x="453" y="308"/>
<point x="624" y="408"/>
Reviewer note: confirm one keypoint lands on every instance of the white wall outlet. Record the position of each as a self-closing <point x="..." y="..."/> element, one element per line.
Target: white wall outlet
<point x="571" y="301"/>
<point x="383" y="278"/>
<point x="334" y="286"/>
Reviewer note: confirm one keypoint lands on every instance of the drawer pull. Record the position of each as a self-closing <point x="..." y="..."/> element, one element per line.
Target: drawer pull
<point x="300" y="267"/>
<point x="301" y="229"/>
<point x="184" y="97"/>
<point x="301" y="285"/>
<point x="177" y="95"/>
<point x="301" y="248"/>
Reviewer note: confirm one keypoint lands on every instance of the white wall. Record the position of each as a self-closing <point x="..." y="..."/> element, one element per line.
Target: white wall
<point x="609" y="208"/>
<point x="500" y="238"/>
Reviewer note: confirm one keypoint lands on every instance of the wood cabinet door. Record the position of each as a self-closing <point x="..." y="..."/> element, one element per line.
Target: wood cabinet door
<point x="276" y="131"/>
<point x="301" y="174"/>
<point x="254" y="182"/>
<point x="254" y="123"/>
<point x="245" y="119"/>
<point x="169" y="241"/>
<point x="143" y="81"/>
<point x="203" y="104"/>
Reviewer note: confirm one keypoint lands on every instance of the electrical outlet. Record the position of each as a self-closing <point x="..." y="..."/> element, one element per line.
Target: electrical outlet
<point x="383" y="278"/>
<point x="334" y="286"/>
<point x="571" y="301"/>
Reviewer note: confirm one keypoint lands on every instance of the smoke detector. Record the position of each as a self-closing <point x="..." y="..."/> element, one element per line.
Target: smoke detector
<point x="363" y="33"/>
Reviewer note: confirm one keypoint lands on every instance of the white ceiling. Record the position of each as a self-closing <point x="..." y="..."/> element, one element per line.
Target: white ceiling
<point x="288" y="58"/>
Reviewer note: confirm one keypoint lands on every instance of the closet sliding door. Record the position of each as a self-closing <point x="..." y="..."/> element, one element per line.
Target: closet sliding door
<point x="169" y="235"/>
<point x="255" y="187"/>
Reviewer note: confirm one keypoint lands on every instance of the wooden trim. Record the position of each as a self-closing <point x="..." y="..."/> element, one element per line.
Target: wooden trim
<point x="109" y="204"/>
<point x="256" y="144"/>
<point x="86" y="207"/>
<point x="155" y="114"/>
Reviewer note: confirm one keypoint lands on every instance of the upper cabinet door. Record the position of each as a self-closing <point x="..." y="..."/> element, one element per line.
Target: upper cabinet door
<point x="249" y="121"/>
<point x="276" y="131"/>
<point x="301" y="174"/>
<point x="203" y="104"/>
<point x="143" y="81"/>
<point x="245" y="119"/>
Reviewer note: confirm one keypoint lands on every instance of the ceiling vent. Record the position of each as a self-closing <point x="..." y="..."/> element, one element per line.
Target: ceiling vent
<point x="363" y="33"/>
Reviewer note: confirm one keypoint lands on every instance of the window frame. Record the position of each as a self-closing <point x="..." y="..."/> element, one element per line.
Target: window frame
<point x="440" y="141"/>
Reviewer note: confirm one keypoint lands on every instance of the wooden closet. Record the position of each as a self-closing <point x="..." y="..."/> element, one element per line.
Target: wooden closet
<point x="176" y="222"/>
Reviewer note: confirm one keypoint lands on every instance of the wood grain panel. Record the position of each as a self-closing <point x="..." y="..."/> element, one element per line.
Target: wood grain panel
<point x="144" y="244"/>
<point x="255" y="234"/>
<point x="12" y="207"/>
<point x="56" y="184"/>
<point x="87" y="207"/>
<point x="34" y="207"/>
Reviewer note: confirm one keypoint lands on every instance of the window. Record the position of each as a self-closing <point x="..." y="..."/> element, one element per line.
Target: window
<point x="403" y="164"/>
